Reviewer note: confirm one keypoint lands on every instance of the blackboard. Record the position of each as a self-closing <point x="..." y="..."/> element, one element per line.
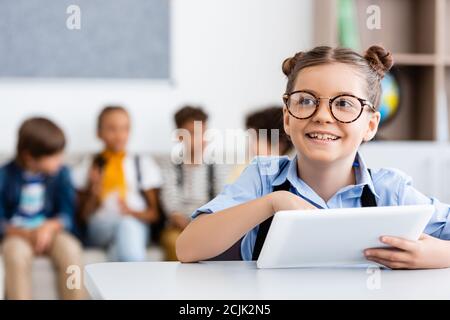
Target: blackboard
<point x="115" y="39"/>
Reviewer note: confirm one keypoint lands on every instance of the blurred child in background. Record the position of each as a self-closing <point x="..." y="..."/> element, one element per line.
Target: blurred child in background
<point x="189" y="184"/>
<point x="36" y="210"/>
<point x="117" y="191"/>
<point x="266" y="123"/>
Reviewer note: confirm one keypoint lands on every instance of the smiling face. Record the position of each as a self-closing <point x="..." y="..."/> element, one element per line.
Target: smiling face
<point x="321" y="138"/>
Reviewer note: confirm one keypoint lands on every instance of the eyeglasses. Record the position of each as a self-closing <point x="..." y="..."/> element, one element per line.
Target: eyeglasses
<point x="345" y="108"/>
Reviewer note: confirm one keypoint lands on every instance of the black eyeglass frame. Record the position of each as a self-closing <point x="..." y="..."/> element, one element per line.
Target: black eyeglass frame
<point x="363" y="103"/>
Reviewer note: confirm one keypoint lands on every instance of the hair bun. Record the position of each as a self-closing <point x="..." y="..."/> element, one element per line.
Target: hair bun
<point x="379" y="59"/>
<point x="289" y="63"/>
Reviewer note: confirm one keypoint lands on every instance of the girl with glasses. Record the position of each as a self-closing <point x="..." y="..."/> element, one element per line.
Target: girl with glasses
<point x="331" y="107"/>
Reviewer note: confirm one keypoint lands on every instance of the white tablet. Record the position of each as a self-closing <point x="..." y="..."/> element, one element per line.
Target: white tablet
<point x="333" y="237"/>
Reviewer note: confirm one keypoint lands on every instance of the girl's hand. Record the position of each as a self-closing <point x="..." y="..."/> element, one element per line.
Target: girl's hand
<point x="95" y="181"/>
<point x="147" y="216"/>
<point x="426" y="253"/>
<point x="124" y="209"/>
<point x="285" y="200"/>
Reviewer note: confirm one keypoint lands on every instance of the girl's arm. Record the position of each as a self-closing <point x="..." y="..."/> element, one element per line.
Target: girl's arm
<point x="151" y="213"/>
<point x="87" y="204"/>
<point x="211" y="234"/>
<point x="88" y="199"/>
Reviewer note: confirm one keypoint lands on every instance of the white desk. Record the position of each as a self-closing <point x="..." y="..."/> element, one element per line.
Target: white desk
<point x="241" y="280"/>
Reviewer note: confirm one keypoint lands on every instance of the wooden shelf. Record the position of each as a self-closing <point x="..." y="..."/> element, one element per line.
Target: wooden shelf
<point x="406" y="25"/>
<point x="415" y="59"/>
<point x="413" y="121"/>
<point x="417" y="32"/>
<point x="446" y="27"/>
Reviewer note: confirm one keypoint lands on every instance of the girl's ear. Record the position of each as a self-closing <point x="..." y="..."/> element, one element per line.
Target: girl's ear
<point x="372" y="127"/>
<point x="286" y="118"/>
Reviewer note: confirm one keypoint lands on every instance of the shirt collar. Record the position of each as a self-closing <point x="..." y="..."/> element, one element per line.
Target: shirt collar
<point x="362" y="177"/>
<point x="282" y="176"/>
<point x="290" y="173"/>
<point x="362" y="174"/>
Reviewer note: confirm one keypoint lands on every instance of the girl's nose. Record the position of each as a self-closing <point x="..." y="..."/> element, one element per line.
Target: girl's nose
<point x="323" y="112"/>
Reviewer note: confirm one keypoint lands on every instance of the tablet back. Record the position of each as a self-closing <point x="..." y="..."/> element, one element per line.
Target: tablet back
<point x="332" y="237"/>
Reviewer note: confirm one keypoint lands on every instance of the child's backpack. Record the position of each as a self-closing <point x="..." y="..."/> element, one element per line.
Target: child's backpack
<point x="210" y="179"/>
<point x="157" y="226"/>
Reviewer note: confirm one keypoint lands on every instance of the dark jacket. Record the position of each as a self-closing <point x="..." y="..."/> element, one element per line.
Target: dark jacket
<point x="59" y="195"/>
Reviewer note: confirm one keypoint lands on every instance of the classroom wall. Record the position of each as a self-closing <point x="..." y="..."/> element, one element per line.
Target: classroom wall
<point x="226" y="56"/>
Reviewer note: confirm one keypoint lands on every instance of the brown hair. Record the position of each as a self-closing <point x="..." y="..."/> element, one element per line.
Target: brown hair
<point x="270" y="118"/>
<point x="189" y="113"/>
<point x="373" y="65"/>
<point x="105" y="111"/>
<point x="39" y="137"/>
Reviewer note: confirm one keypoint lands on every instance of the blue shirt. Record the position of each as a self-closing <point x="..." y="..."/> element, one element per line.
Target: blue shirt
<point x="391" y="187"/>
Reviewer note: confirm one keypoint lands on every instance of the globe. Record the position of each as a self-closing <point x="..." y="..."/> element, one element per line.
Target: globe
<point x="390" y="98"/>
